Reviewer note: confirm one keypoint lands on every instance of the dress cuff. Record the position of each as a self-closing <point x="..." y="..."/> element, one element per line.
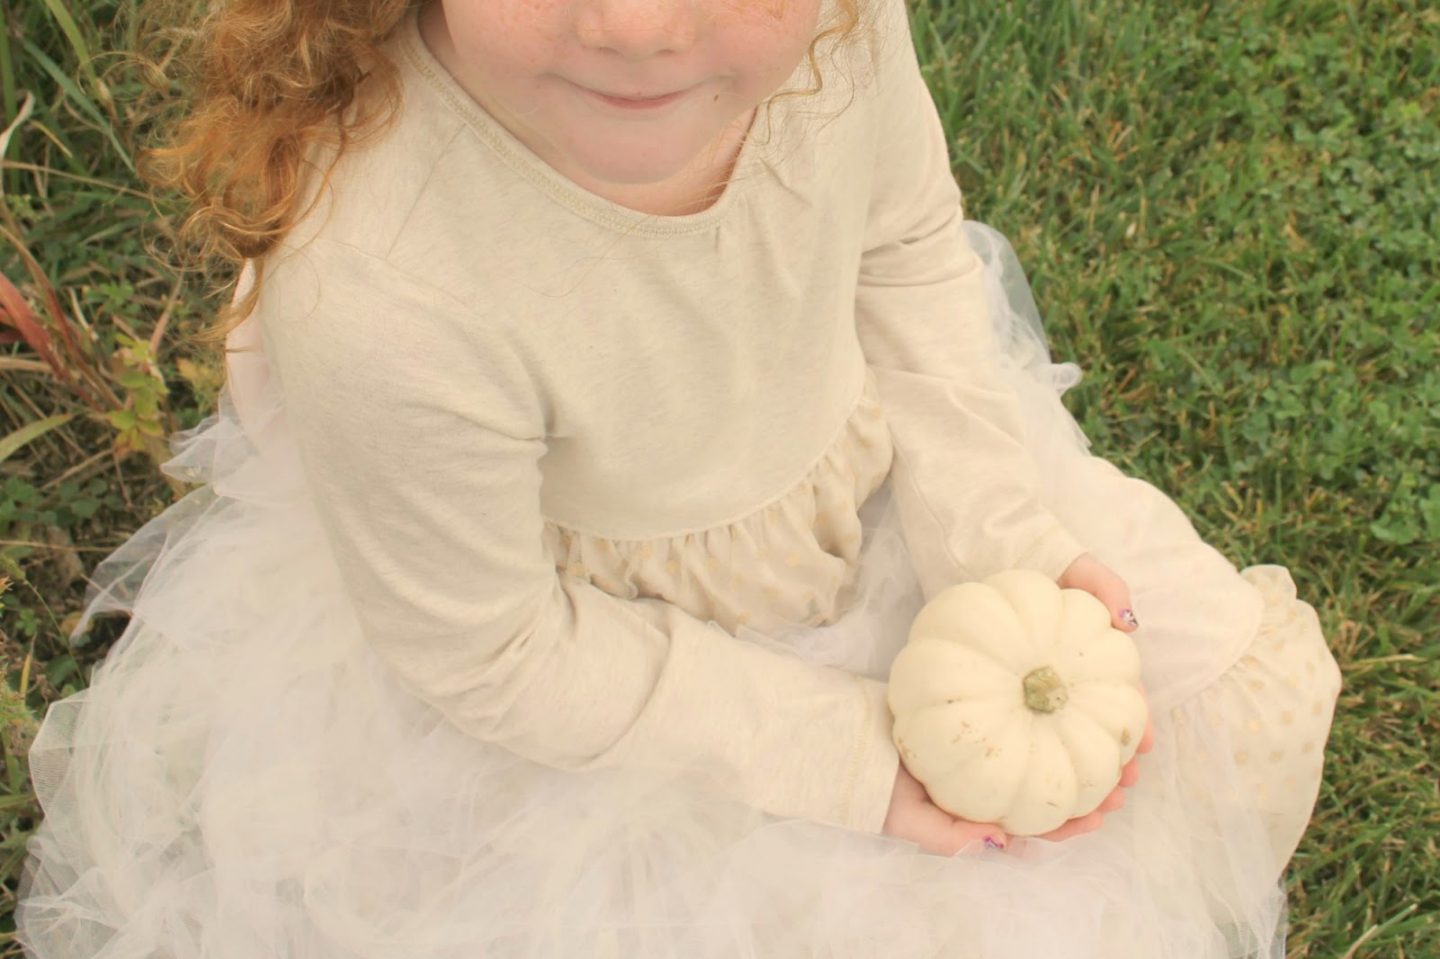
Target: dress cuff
<point x="1052" y="553"/>
<point x="875" y="763"/>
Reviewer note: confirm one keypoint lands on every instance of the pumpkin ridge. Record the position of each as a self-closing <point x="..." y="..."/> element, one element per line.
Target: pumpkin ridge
<point x="1076" y="775"/>
<point x="975" y="729"/>
<point x="1027" y="717"/>
<point x="1108" y="689"/>
<point x="1078" y="706"/>
<point x="1010" y="670"/>
<point x="1067" y="733"/>
<point x="984" y="677"/>
<point x="1084" y="715"/>
<point x="1053" y="727"/>
<point x="974" y="764"/>
<point x="993" y="701"/>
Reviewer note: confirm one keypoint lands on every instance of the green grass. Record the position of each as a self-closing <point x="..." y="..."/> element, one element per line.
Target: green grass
<point x="1229" y="214"/>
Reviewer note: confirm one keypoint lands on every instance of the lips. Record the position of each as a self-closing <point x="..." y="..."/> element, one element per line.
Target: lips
<point x="636" y="101"/>
<point x="638" y="96"/>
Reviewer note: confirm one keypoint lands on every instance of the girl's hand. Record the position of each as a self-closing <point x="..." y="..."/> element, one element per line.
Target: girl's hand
<point x="1097" y="579"/>
<point x="914" y="817"/>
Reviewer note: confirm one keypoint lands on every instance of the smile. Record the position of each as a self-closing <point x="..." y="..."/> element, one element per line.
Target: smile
<point x="632" y="103"/>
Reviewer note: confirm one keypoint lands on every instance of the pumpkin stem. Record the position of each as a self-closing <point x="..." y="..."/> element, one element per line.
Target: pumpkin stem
<point x="1045" y="691"/>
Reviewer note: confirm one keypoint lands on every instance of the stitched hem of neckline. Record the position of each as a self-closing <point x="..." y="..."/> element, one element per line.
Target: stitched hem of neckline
<point x="550" y="181"/>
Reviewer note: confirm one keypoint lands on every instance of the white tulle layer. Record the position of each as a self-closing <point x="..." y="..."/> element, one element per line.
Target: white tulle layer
<point x="243" y="777"/>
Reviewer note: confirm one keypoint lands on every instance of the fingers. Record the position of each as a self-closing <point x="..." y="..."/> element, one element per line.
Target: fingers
<point x="966" y="836"/>
<point x="1147" y="740"/>
<point x="1122" y="611"/>
<point x="1130" y="772"/>
<point x="1112" y="802"/>
<point x="1115" y="594"/>
<point x="938" y="832"/>
<point x="1121" y="606"/>
<point x="1087" y="572"/>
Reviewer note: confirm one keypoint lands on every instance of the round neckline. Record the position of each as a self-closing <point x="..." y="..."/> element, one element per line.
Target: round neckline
<point x="552" y="182"/>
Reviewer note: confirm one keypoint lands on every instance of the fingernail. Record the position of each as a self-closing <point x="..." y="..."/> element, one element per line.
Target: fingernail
<point x="990" y="843"/>
<point x="1127" y="616"/>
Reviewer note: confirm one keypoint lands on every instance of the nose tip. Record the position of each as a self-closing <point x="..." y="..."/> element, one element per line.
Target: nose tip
<point x="636" y="29"/>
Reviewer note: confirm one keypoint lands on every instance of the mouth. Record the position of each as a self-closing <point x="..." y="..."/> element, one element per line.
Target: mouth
<point x="634" y="102"/>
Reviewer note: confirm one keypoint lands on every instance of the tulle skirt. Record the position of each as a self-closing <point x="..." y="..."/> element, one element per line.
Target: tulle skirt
<point x="243" y="777"/>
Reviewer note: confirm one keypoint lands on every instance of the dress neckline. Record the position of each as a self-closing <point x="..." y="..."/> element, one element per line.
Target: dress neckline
<point x="552" y="182"/>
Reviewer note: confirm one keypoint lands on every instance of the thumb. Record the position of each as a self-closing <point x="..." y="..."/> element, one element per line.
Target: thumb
<point x="1122" y="614"/>
<point x="1116" y="597"/>
<point x="1102" y="582"/>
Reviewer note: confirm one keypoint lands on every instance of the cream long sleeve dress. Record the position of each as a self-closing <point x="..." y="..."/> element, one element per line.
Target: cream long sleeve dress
<point x="517" y="497"/>
<point x="564" y="448"/>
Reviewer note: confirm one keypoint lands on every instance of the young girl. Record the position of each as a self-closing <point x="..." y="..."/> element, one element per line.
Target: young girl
<point x="595" y="427"/>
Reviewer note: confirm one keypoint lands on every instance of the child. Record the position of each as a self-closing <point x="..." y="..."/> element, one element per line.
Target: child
<point x="580" y="469"/>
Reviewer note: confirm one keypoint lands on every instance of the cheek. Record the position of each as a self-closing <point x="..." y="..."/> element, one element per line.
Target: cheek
<point x="774" y="17"/>
<point x="508" y="36"/>
<point x="771" y="35"/>
<point x="768" y="59"/>
<point x="773" y="12"/>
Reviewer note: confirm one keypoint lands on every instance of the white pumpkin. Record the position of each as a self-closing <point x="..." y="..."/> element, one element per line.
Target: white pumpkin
<point x="1016" y="702"/>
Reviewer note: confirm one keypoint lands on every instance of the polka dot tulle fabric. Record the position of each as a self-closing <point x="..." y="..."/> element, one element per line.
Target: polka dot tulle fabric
<point x="1276" y="705"/>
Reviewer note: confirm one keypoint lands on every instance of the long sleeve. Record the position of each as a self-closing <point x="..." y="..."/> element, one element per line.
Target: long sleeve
<point x="966" y="488"/>
<point x="420" y="434"/>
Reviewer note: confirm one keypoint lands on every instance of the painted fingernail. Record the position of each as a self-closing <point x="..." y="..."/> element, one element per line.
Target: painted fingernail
<point x="990" y="843"/>
<point x="1127" y="616"/>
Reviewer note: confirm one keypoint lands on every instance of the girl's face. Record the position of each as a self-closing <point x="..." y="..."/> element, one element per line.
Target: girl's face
<point x="537" y="65"/>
